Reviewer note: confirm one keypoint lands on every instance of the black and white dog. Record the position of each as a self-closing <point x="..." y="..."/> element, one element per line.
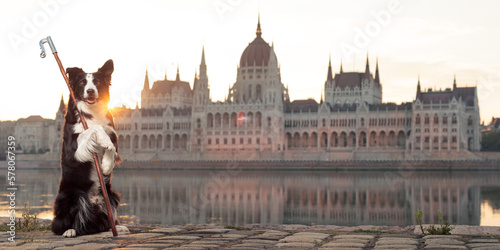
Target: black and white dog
<point x="79" y="207"/>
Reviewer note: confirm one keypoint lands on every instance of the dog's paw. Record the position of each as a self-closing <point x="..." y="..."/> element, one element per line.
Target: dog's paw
<point x="122" y="230"/>
<point x="108" y="161"/>
<point x="103" y="139"/>
<point x="69" y="233"/>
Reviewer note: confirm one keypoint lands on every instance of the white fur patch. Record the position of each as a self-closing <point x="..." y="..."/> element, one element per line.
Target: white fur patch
<point x="90" y="85"/>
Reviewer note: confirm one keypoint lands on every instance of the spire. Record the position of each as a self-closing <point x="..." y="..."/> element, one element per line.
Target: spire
<point x="377" y="77"/>
<point x="454" y="80"/>
<point x="203" y="55"/>
<point x="177" y="77"/>
<point x="165" y="74"/>
<point x="419" y="92"/>
<point x="259" y="31"/>
<point x="136" y="105"/>
<point x="367" y="71"/>
<point x="341" y="70"/>
<point x="62" y="106"/>
<point x="203" y="65"/>
<point x="146" y="81"/>
<point x="329" y="76"/>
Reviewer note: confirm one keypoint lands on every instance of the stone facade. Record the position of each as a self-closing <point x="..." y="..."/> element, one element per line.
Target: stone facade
<point x="257" y="120"/>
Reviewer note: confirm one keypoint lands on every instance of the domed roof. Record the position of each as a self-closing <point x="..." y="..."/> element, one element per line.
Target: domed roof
<point x="257" y="52"/>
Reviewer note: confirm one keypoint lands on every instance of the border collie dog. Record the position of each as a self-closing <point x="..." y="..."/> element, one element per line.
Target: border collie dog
<point x="79" y="207"/>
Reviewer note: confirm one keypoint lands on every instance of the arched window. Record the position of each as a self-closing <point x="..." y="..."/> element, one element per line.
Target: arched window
<point x="258" y="91"/>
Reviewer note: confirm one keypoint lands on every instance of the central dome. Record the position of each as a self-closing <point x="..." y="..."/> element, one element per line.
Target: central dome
<point x="257" y="52"/>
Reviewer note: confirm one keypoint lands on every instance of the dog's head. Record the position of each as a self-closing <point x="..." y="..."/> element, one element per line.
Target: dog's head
<point x="91" y="88"/>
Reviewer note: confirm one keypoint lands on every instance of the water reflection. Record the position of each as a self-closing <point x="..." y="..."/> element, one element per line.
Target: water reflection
<point x="242" y="197"/>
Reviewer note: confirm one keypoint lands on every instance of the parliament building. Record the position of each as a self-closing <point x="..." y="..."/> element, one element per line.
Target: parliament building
<point x="258" y="121"/>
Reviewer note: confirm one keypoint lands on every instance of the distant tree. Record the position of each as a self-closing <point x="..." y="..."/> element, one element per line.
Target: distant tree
<point x="490" y="141"/>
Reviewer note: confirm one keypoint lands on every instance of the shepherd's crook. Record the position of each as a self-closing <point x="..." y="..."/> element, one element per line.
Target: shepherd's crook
<point x="96" y="160"/>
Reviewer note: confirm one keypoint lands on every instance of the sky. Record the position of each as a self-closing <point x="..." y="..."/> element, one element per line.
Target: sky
<point x="433" y="39"/>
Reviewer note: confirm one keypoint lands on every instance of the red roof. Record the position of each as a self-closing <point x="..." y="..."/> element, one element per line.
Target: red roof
<point x="166" y="86"/>
<point x="302" y="105"/>
<point x="436" y="97"/>
<point x="349" y="79"/>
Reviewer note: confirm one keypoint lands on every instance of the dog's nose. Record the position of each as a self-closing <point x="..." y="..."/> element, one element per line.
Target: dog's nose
<point x="90" y="91"/>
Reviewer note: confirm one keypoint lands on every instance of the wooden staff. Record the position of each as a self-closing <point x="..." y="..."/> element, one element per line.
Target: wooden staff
<point x="85" y="126"/>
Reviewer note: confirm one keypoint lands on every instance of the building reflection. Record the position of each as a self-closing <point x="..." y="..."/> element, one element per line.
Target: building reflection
<point x="247" y="197"/>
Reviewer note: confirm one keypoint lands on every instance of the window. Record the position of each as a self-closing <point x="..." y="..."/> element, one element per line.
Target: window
<point x="436" y="119"/>
<point x="249" y="140"/>
<point x="454" y="119"/>
<point x="217" y="141"/>
<point x="426" y="122"/>
<point x="233" y="141"/>
<point x="445" y="120"/>
<point x="209" y="142"/>
<point x="417" y="120"/>
<point x="225" y="141"/>
<point x="241" y="140"/>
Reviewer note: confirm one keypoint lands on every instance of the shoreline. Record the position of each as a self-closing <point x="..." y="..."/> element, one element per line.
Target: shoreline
<point x="275" y="165"/>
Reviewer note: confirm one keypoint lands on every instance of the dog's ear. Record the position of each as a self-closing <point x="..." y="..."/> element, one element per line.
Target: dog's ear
<point x="107" y="69"/>
<point x="73" y="72"/>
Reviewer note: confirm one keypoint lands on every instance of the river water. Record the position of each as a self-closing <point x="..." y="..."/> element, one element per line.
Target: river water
<point x="238" y="197"/>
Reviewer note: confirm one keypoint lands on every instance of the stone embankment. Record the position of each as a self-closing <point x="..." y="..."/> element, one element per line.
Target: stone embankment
<point x="264" y="237"/>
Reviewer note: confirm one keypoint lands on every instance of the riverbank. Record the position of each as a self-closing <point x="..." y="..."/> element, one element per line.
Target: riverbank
<point x="264" y="236"/>
<point x="416" y="165"/>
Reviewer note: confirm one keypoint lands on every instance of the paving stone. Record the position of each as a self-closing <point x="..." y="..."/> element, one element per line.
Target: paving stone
<point x="312" y="235"/>
<point x="488" y="248"/>
<point x="437" y="247"/>
<point x="344" y="244"/>
<point x="295" y="244"/>
<point x="94" y="246"/>
<point x="444" y="241"/>
<point x="136" y="248"/>
<point x="208" y="242"/>
<point x="478" y="245"/>
<point x="351" y="236"/>
<point x="442" y="236"/>
<point x="168" y="230"/>
<point x="40" y="245"/>
<point x="354" y="240"/>
<point x="231" y="236"/>
<point x="256" y="241"/>
<point x="251" y="246"/>
<point x="396" y="241"/>
<point x="179" y="237"/>
<point x="484" y="241"/>
<point x="173" y="242"/>
<point x="269" y="236"/>
<point x="397" y="247"/>
<point x="212" y="231"/>
<point x="201" y="245"/>
<point x="139" y="236"/>
<point x="339" y="248"/>
<point x="151" y="245"/>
